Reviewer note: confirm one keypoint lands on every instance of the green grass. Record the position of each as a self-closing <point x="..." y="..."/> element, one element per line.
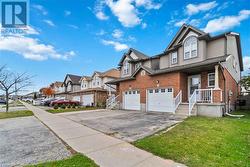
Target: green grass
<point x="204" y="142"/>
<point x="60" y="110"/>
<point x="14" y="114"/>
<point x="77" y="160"/>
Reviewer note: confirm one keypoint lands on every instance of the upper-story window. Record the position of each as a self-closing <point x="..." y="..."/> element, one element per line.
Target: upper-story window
<point x="190" y="47"/>
<point x="126" y="68"/>
<point x="174" y="58"/>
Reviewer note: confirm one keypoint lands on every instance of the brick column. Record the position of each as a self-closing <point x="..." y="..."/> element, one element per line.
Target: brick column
<point x="217" y="96"/>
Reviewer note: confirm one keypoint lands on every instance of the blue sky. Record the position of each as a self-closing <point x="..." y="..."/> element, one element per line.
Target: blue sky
<point x="82" y="36"/>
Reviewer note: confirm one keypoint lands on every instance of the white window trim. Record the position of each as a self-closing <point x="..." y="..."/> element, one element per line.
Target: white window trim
<point x="172" y="58"/>
<point x="190" y="49"/>
<point x="211" y="86"/>
<point x="126" y="70"/>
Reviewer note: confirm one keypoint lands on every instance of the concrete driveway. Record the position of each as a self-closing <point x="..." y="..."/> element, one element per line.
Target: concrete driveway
<point x="125" y="125"/>
<point x="27" y="141"/>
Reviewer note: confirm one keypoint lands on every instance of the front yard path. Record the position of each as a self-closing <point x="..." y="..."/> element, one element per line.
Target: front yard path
<point x="105" y="150"/>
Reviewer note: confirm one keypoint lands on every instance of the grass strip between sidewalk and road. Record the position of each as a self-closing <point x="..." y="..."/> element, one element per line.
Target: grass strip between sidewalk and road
<point x="202" y="141"/>
<point x="77" y="160"/>
<point x="60" y="110"/>
<point x="13" y="114"/>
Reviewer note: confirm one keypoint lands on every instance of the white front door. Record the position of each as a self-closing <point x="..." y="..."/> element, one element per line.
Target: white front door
<point x="194" y="82"/>
<point x="160" y="99"/>
<point x="131" y="100"/>
<point x="88" y="100"/>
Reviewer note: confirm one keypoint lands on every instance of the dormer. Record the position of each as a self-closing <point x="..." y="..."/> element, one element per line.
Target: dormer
<point x="131" y="61"/>
<point x="96" y="80"/>
<point x="85" y="82"/>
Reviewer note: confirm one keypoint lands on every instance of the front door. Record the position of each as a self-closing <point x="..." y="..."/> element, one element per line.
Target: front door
<point x="194" y="82"/>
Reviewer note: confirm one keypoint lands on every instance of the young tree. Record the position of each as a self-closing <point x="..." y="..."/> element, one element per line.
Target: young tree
<point x="245" y="82"/>
<point x="48" y="92"/>
<point x="11" y="82"/>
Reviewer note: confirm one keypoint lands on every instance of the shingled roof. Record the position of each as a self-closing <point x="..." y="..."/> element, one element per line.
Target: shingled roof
<point x="74" y="79"/>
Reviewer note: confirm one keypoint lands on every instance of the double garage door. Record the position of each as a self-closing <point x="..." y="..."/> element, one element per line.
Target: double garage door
<point x="159" y="99"/>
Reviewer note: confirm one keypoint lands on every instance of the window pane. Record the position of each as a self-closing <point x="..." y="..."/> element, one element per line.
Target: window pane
<point x="150" y="91"/>
<point x="162" y="90"/>
<point x="193" y="53"/>
<point x="156" y="90"/>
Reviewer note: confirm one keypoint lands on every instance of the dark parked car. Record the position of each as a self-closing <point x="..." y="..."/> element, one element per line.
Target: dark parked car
<point x="47" y="102"/>
<point x="65" y="102"/>
<point x="2" y="101"/>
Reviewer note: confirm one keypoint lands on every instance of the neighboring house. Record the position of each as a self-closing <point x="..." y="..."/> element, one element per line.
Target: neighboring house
<point x="70" y="85"/>
<point x="57" y="87"/>
<point x="196" y="74"/>
<point x="93" y="90"/>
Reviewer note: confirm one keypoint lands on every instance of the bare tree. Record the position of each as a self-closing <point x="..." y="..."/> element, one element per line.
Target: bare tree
<point x="11" y="82"/>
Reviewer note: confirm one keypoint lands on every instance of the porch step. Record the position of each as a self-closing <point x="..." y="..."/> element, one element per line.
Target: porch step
<point x="183" y="109"/>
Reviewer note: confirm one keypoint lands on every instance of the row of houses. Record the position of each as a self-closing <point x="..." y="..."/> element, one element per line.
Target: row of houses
<point x="88" y="90"/>
<point x="196" y="74"/>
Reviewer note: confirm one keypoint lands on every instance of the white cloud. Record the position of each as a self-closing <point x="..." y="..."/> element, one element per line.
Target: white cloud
<point x="226" y="22"/>
<point x="194" y="9"/>
<point x="125" y="11"/>
<point x="148" y="4"/>
<point x="73" y="26"/>
<point x="246" y="63"/>
<point x="117" y="34"/>
<point x="117" y="45"/>
<point x="49" y="22"/>
<point x="144" y="25"/>
<point x="102" y="16"/>
<point x="180" y="23"/>
<point x="31" y="48"/>
<point x="31" y="30"/>
<point x="41" y="9"/>
<point x="67" y="12"/>
<point x="101" y="32"/>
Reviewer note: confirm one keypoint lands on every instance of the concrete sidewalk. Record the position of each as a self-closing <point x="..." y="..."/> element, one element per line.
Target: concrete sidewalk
<point x="105" y="150"/>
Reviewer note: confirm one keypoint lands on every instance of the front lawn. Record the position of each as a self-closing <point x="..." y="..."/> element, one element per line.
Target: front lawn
<point x="14" y="114"/>
<point x="77" y="160"/>
<point x="60" y="110"/>
<point x="206" y="142"/>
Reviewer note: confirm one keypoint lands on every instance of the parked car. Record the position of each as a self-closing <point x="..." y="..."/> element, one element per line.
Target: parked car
<point x="2" y="101"/>
<point x="29" y="100"/>
<point x="47" y="102"/>
<point x="37" y="102"/>
<point x="65" y="102"/>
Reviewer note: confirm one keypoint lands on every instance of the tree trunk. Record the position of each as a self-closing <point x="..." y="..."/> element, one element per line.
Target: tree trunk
<point x="7" y="101"/>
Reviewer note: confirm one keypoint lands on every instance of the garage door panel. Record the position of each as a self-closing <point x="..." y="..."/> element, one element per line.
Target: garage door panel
<point x="88" y="100"/>
<point x="160" y="100"/>
<point x="132" y="100"/>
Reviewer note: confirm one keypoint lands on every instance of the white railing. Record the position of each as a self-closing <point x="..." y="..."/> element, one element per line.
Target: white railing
<point x="200" y="96"/>
<point x="177" y="100"/>
<point x="204" y="95"/>
<point x="112" y="102"/>
<point x="192" y="101"/>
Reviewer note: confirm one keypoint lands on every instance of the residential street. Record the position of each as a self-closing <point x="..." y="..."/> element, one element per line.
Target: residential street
<point x="27" y="141"/>
<point x="105" y="150"/>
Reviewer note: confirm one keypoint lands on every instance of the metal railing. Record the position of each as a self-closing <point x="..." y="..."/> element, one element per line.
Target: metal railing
<point x="177" y="100"/>
<point x="112" y="102"/>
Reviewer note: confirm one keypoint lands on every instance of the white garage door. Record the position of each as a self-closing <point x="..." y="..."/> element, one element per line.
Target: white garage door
<point x="76" y="98"/>
<point x="131" y="100"/>
<point x="160" y="100"/>
<point x="88" y="100"/>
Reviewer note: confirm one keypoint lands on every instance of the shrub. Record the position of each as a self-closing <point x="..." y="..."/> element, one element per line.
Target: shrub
<point x="68" y="106"/>
<point x="73" y="105"/>
<point x="63" y="106"/>
<point x="56" y="106"/>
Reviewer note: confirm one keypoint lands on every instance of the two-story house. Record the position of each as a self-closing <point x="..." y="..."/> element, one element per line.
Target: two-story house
<point x="93" y="90"/>
<point x="68" y="87"/>
<point x="57" y="87"/>
<point x="196" y="74"/>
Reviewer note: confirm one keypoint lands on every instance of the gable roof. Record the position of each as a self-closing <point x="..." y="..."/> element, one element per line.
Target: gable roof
<point x="74" y="79"/>
<point x="140" y="55"/>
<point x="56" y="84"/>
<point x="184" y="28"/>
<point x="114" y="73"/>
<point x="205" y="63"/>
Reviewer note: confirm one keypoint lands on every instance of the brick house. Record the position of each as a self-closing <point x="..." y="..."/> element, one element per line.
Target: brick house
<point x="197" y="74"/>
<point x="89" y="90"/>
